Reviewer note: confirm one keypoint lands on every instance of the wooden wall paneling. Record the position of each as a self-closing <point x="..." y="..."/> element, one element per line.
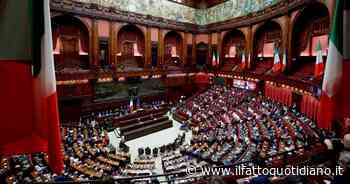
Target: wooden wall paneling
<point x="160" y="47"/>
<point x="194" y="55"/>
<point x="189" y="54"/>
<point x="184" y="49"/>
<point x="111" y="43"/>
<point x="116" y="44"/>
<point x="154" y="53"/>
<point x="209" y="48"/>
<point x="91" y="48"/>
<point x="288" y="43"/>
<point x="249" y="47"/>
<point x="148" y="47"/>
<point x="95" y="44"/>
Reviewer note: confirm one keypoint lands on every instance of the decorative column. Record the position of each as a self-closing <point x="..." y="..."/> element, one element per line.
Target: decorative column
<point x="111" y="43"/>
<point x="194" y="54"/>
<point x="219" y="48"/>
<point x="289" y="43"/>
<point x="184" y="49"/>
<point x="249" y="40"/>
<point x="160" y="47"/>
<point x="116" y="44"/>
<point x="94" y="44"/>
<point x="148" y="48"/>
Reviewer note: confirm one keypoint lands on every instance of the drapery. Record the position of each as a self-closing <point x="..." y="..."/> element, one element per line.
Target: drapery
<point x="279" y="94"/>
<point x="310" y="107"/>
<point x="69" y="31"/>
<point x="173" y="45"/>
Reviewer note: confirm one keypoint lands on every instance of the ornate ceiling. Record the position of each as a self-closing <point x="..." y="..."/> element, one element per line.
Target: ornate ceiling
<point x="199" y="4"/>
<point x="167" y="9"/>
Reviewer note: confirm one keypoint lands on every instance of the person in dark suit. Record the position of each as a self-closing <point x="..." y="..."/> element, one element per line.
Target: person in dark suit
<point x="344" y="162"/>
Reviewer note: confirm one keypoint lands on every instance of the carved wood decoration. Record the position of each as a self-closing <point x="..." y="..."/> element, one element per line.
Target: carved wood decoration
<point x="73" y="38"/>
<point x="173" y="44"/>
<point x="234" y="42"/>
<point x="131" y="47"/>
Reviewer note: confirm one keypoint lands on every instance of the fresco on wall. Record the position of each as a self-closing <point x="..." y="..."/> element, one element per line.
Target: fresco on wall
<point x="231" y="9"/>
<point x="174" y="11"/>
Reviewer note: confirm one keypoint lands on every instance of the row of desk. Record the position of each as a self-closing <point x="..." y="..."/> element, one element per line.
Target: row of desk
<point x="142" y="123"/>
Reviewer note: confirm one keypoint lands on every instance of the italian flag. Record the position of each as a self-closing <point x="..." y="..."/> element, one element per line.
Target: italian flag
<point x="276" y="61"/>
<point x="214" y="61"/>
<point x="217" y="59"/>
<point x="335" y="91"/>
<point x="30" y="119"/>
<point x="319" y="61"/>
<point x="345" y="89"/>
<point x="284" y="60"/>
<point x="131" y="104"/>
<point x="243" y="64"/>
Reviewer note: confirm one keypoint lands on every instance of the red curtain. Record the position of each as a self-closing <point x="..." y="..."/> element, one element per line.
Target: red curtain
<point x="279" y="94"/>
<point x="54" y="38"/>
<point x="74" y="31"/>
<point x="172" y="39"/>
<point x="84" y="42"/>
<point x="131" y="34"/>
<point x="310" y="107"/>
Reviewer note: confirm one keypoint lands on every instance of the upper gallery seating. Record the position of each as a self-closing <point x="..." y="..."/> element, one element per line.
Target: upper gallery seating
<point x="228" y="66"/>
<point x="304" y="70"/>
<point x="262" y="67"/>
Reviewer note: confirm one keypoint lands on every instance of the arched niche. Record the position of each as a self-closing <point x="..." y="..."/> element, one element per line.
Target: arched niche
<point x="267" y="37"/>
<point x="233" y="46"/>
<point x="173" y="44"/>
<point x="310" y="27"/>
<point x="130" y="47"/>
<point x="70" y="42"/>
<point x="202" y="54"/>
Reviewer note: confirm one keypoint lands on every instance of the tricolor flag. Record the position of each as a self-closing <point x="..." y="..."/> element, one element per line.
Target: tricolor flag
<point x="131" y="105"/>
<point x="276" y="61"/>
<point x="319" y="61"/>
<point x="217" y="59"/>
<point x="29" y="111"/>
<point x="284" y="60"/>
<point x="243" y="64"/>
<point x="214" y="61"/>
<point x="335" y="93"/>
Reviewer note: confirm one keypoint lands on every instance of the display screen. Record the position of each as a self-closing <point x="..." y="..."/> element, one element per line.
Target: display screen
<point x="249" y="85"/>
